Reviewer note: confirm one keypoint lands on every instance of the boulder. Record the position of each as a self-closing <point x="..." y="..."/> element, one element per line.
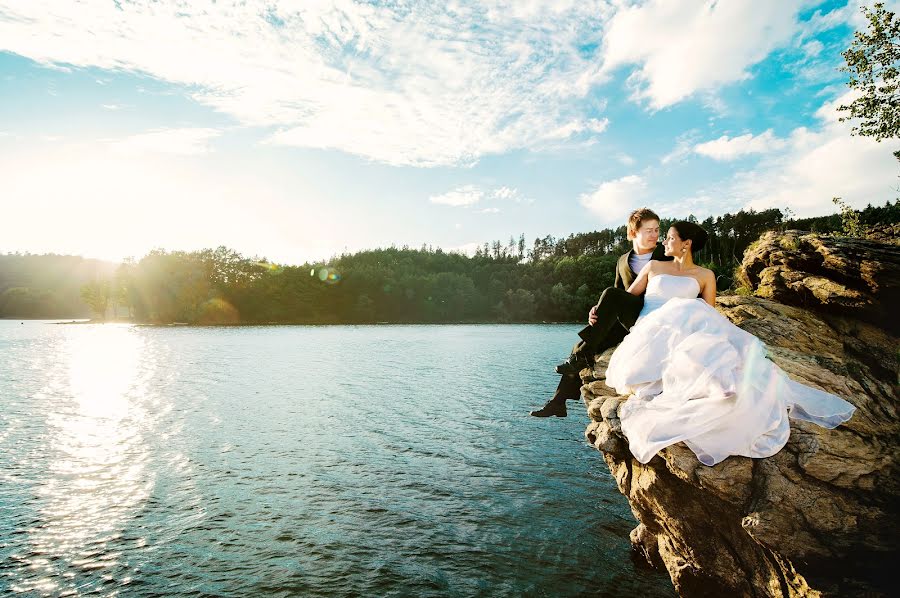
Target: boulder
<point x="859" y="278"/>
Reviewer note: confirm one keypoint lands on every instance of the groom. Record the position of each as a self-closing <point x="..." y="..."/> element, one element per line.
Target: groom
<point x="615" y="313"/>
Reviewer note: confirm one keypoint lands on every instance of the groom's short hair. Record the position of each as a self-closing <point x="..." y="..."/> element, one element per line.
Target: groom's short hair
<point x="637" y="217"/>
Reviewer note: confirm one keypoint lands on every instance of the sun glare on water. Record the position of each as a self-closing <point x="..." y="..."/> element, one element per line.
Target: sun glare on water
<point x="96" y="478"/>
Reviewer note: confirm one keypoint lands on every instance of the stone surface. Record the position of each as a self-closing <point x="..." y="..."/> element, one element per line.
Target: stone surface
<point x="822" y="515"/>
<point x="840" y="275"/>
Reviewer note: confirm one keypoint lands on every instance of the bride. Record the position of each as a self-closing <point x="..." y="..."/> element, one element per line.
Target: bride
<point x="697" y="378"/>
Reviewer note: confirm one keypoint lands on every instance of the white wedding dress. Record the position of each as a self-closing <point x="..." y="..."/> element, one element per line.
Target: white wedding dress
<point x="699" y="379"/>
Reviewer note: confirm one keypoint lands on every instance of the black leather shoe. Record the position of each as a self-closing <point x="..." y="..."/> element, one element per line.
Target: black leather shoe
<point x="552" y="408"/>
<point x="573" y="365"/>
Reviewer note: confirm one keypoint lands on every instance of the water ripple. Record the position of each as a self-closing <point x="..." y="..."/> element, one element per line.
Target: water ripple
<point x="300" y="461"/>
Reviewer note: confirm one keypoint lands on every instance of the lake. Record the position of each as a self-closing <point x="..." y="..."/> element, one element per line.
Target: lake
<point x="301" y="460"/>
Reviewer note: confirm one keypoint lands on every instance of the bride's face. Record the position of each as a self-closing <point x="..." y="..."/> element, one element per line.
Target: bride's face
<point x="673" y="243"/>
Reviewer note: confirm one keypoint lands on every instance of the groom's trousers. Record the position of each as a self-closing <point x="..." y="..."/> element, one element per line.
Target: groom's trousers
<point x="617" y="311"/>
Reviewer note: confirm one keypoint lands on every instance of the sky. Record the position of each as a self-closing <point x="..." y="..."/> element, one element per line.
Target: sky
<point x="298" y="130"/>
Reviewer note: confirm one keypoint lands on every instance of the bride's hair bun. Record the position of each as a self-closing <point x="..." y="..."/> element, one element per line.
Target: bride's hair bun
<point x="689" y="230"/>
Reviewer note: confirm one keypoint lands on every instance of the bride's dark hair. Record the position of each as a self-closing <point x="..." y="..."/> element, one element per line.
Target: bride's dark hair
<point x="689" y="230"/>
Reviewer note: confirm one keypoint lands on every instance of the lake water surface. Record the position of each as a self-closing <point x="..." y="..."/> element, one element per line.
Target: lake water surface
<point x="301" y="460"/>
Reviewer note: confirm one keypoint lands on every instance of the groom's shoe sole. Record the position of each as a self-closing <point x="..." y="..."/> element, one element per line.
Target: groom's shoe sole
<point x="567" y="369"/>
<point x="550" y="410"/>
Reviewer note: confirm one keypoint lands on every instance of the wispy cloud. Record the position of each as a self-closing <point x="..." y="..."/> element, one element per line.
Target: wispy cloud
<point x="408" y="84"/>
<point x="185" y="141"/>
<point x="812" y="48"/>
<point x="509" y="194"/>
<point x="469" y="195"/>
<point x="849" y="14"/>
<point x="683" y="148"/>
<point x="506" y="193"/>
<point x="462" y="196"/>
<point x="731" y="148"/>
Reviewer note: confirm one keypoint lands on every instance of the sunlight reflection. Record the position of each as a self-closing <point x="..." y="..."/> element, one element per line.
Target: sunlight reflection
<point x="97" y="478"/>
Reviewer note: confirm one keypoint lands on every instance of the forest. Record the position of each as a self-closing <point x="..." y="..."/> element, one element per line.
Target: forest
<point x="553" y="280"/>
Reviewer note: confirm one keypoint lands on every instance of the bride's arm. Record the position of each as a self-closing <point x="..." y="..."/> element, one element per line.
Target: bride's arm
<point x="709" y="287"/>
<point x="640" y="283"/>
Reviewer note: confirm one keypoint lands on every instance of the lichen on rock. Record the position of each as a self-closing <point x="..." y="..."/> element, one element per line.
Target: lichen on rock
<point x="821" y="516"/>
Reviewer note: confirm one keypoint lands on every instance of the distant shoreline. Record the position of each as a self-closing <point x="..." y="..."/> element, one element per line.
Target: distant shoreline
<point x="76" y="321"/>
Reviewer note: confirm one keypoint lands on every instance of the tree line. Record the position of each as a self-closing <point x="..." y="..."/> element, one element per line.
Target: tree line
<point x="556" y="279"/>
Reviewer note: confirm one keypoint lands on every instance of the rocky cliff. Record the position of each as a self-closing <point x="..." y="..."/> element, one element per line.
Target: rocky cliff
<point x="821" y="516"/>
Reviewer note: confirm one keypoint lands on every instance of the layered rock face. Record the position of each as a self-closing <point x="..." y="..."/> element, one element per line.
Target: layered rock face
<point x="859" y="278"/>
<point x="823" y="515"/>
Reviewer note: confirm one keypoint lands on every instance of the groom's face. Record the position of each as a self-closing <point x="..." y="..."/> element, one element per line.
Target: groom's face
<point x="647" y="234"/>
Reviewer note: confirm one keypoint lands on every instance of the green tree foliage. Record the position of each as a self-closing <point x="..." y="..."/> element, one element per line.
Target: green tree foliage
<point x="23" y="302"/>
<point x="557" y="280"/>
<point x="869" y="216"/>
<point x="850" y="225"/>
<point x="96" y="295"/>
<point x="47" y="286"/>
<point x="873" y="61"/>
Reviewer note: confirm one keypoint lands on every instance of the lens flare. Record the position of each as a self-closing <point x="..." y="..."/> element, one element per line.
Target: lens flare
<point x="326" y="274"/>
<point x="218" y="311"/>
<point x="272" y="268"/>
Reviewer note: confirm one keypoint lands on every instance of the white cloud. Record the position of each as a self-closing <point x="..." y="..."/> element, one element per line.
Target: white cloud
<point x="731" y="148"/>
<point x="685" y="47"/>
<point x="469" y="195"/>
<point x="506" y="193"/>
<point x="816" y="165"/>
<point x="407" y="84"/>
<point x="596" y="125"/>
<point x="803" y="171"/>
<point x="466" y="248"/>
<point x="850" y="15"/>
<point x="829" y="114"/>
<point x="813" y="48"/>
<point x="683" y="148"/>
<point x="462" y="196"/>
<point x="613" y="200"/>
<point x="186" y="141"/>
<point x="626" y="159"/>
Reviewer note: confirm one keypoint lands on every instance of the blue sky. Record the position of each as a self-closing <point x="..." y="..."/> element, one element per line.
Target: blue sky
<point x="297" y="130"/>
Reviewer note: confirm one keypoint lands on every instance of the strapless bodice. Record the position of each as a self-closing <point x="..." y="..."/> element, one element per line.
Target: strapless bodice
<point x="663" y="287"/>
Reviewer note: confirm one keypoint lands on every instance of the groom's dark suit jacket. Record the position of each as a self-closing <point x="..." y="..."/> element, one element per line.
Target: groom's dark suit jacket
<point x="625" y="275"/>
<point x="624" y="311"/>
